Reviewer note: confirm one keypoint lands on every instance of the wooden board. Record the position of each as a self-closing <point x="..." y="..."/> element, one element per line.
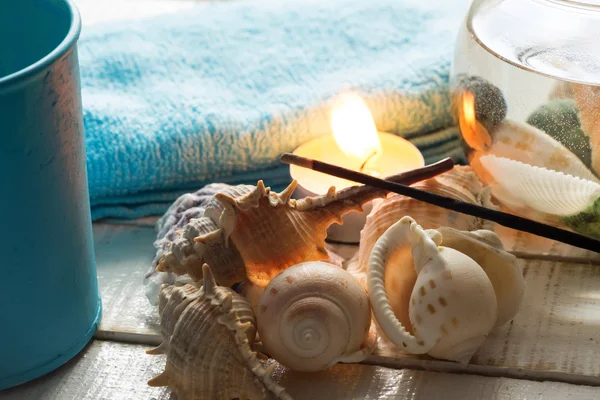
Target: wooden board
<point x="116" y="371"/>
<point x="123" y="256"/>
<point x="554" y="336"/>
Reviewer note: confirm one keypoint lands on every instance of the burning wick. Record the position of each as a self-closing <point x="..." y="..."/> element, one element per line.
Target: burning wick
<point x="476" y="136"/>
<point x="354" y="131"/>
<point x="372" y="172"/>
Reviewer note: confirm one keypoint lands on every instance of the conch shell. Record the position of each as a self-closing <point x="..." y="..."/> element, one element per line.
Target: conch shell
<point x="453" y="305"/>
<point x="555" y="197"/>
<point x="208" y="332"/>
<point x="251" y="233"/>
<point x="314" y="315"/>
<point x="460" y="183"/>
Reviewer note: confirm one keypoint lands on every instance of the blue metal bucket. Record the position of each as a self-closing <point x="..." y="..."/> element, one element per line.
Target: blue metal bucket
<point x="49" y="302"/>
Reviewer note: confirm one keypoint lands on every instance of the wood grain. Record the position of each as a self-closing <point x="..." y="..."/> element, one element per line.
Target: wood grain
<point x="554" y="336"/>
<point x="123" y="256"/>
<point x="116" y="371"/>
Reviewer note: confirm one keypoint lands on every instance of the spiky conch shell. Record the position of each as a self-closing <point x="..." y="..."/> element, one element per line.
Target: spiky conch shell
<point x="208" y="332"/>
<point x="251" y="233"/>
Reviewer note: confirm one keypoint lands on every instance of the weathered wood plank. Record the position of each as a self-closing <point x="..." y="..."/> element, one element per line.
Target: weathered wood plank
<point x="108" y="370"/>
<point x="123" y="256"/>
<point x="554" y="336"/>
<point x="103" y="370"/>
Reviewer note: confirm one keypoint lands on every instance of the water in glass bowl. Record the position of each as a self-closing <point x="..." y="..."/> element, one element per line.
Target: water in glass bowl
<point x="526" y="93"/>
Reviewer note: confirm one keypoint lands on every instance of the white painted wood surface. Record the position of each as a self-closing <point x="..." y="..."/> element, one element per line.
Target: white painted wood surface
<point x="554" y="336"/>
<point x="117" y="371"/>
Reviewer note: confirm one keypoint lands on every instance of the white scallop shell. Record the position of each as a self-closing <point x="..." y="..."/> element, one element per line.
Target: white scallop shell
<point x="314" y="315"/>
<point x="544" y="190"/>
<point x="530" y="145"/>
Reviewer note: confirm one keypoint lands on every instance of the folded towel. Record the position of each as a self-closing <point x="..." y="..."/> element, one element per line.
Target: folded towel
<point x="217" y="92"/>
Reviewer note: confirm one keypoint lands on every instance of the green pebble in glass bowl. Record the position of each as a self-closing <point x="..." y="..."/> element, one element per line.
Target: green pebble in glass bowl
<point x="560" y="119"/>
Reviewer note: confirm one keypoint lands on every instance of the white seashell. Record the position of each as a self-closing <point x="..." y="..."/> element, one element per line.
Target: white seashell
<point x="208" y="332"/>
<point x="460" y="183"/>
<point x="453" y="304"/>
<point x="554" y="197"/>
<point x="501" y="267"/>
<point x="314" y="315"/>
<point x="529" y="145"/>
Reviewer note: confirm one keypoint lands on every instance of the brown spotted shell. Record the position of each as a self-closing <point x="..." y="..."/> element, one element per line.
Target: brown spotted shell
<point x="208" y="332"/>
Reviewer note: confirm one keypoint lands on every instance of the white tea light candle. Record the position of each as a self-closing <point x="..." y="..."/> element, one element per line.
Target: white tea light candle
<point x="356" y="145"/>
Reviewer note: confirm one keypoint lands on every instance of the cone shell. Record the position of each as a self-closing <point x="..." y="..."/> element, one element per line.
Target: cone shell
<point x="208" y="332"/>
<point x="314" y="315"/>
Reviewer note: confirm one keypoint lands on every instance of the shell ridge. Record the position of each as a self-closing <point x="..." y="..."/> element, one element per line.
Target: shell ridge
<point x="200" y="306"/>
<point x="548" y="191"/>
<point x="404" y="232"/>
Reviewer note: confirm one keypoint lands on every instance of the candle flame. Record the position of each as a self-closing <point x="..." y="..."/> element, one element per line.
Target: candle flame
<point x="469" y="110"/>
<point x="354" y="129"/>
<point x="472" y="131"/>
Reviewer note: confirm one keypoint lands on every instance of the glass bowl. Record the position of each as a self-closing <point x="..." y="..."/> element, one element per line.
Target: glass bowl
<point x="525" y="86"/>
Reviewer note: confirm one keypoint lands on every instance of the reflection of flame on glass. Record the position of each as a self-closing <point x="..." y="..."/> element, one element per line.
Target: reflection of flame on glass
<point x="354" y="129"/>
<point x="473" y="132"/>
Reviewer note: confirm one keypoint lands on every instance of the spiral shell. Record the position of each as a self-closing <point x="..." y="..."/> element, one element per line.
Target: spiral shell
<point x="314" y="315"/>
<point x="208" y="332"/>
<point x="453" y="305"/>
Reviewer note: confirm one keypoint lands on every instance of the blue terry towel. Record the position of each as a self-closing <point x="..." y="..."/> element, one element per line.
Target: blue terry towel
<point x="218" y="92"/>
